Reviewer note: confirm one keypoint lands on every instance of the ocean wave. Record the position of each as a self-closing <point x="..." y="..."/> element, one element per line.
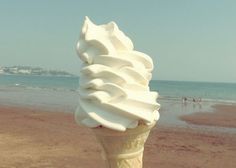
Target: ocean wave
<point x="220" y="101"/>
<point x="197" y="100"/>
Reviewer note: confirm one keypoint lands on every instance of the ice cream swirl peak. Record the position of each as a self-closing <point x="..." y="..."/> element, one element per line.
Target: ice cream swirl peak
<point x="114" y="80"/>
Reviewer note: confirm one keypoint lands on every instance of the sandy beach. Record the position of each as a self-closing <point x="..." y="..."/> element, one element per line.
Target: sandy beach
<point x="222" y="115"/>
<point x="39" y="138"/>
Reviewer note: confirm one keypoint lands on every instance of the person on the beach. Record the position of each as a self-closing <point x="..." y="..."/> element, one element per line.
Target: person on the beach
<point x="184" y="99"/>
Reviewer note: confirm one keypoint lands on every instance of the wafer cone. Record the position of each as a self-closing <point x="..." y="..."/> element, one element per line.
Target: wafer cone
<point x="123" y="149"/>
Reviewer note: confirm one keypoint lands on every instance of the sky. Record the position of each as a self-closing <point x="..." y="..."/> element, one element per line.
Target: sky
<point x="188" y="40"/>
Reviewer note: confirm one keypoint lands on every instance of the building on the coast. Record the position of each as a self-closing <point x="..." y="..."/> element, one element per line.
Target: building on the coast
<point x="24" y="71"/>
<point x="1" y="70"/>
<point x="13" y="70"/>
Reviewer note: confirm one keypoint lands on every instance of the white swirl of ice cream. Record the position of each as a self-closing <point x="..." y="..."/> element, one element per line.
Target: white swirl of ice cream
<point x="113" y="90"/>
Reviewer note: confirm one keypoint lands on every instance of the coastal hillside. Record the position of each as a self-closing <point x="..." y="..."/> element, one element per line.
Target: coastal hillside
<point x="28" y="70"/>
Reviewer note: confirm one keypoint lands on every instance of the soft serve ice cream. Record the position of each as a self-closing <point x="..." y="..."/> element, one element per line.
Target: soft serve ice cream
<point x="113" y="89"/>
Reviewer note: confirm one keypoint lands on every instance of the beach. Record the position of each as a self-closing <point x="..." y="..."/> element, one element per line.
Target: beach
<point x="37" y="127"/>
<point x="222" y="115"/>
<point x="37" y="137"/>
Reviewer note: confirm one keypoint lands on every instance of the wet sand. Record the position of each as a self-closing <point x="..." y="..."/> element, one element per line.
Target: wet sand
<point x="223" y="115"/>
<point x="37" y="138"/>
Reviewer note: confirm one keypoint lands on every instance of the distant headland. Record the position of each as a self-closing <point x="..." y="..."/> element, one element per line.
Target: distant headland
<point x="28" y="70"/>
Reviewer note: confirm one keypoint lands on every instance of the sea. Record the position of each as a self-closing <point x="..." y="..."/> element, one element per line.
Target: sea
<point x="57" y="93"/>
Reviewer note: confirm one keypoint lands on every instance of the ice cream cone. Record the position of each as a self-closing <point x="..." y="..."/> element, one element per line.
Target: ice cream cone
<point x="123" y="149"/>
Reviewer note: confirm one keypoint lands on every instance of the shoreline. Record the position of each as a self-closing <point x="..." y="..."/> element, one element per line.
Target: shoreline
<point x="223" y="115"/>
<point x="39" y="138"/>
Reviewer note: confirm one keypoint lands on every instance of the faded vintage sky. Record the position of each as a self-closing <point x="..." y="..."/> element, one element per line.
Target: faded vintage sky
<point x="187" y="39"/>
